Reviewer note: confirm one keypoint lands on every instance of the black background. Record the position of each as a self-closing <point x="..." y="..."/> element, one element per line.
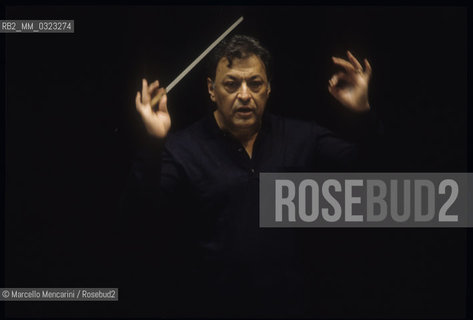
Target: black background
<point x="72" y="130"/>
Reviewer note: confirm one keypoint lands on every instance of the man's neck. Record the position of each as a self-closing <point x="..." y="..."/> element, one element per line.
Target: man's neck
<point x="247" y="136"/>
<point x="248" y="142"/>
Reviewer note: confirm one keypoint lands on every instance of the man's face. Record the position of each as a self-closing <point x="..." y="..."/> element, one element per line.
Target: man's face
<point x="240" y="92"/>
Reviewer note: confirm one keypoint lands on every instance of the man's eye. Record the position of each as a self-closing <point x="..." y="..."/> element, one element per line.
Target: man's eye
<point x="255" y="85"/>
<point x="231" y="85"/>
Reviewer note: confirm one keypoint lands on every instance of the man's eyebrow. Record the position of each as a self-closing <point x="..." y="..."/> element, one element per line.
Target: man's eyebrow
<point x="238" y="78"/>
<point x="231" y="77"/>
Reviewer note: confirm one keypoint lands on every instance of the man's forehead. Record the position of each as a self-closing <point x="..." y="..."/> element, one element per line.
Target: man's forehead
<point x="248" y="66"/>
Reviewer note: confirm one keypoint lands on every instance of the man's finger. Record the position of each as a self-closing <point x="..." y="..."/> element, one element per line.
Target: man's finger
<point x="333" y="81"/>
<point x="163" y="103"/>
<point x="138" y="104"/>
<point x="145" y="92"/>
<point x="153" y="86"/>
<point x="157" y="97"/>
<point x="337" y="77"/>
<point x="354" y="61"/>
<point x="344" y="64"/>
<point x="368" y="68"/>
<point x="334" y="90"/>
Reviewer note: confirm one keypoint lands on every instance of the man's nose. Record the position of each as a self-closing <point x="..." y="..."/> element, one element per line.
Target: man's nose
<point x="244" y="92"/>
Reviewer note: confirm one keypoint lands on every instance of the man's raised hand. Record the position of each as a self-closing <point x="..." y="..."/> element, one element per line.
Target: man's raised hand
<point x="353" y="94"/>
<point x="157" y="122"/>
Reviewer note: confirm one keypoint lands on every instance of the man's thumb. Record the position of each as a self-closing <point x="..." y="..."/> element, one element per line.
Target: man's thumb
<point x="163" y="103"/>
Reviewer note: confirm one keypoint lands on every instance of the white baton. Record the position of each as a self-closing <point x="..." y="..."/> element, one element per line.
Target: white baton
<point x="196" y="61"/>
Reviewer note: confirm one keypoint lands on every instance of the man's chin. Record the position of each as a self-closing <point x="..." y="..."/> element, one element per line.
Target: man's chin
<point x="245" y="123"/>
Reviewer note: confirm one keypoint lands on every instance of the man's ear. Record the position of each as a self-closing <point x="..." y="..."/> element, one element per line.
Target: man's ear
<point x="211" y="89"/>
<point x="268" y="90"/>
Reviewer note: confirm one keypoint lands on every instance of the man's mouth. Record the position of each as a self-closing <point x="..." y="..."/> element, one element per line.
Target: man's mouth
<point x="245" y="111"/>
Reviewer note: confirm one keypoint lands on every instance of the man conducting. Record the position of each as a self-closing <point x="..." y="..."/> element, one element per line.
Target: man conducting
<point x="202" y="186"/>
